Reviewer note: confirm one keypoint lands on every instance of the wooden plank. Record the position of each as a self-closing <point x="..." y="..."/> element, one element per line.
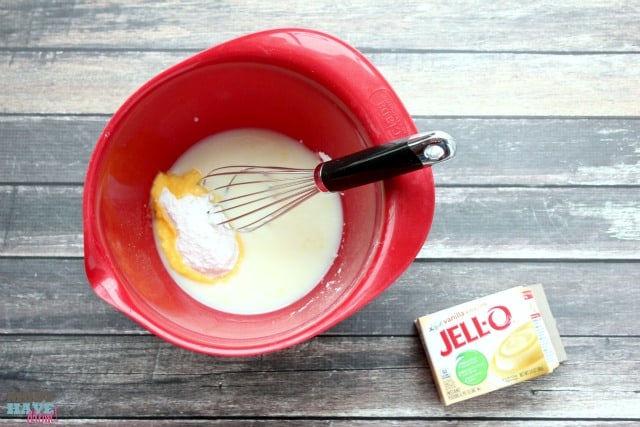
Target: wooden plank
<point x="326" y="377"/>
<point x="522" y="151"/>
<point x="335" y="422"/>
<point x="535" y="223"/>
<point x="468" y="84"/>
<point x="52" y="296"/>
<point x="47" y="149"/>
<point x="585" y="298"/>
<point x="540" y="151"/>
<point x="435" y="25"/>
<point x="470" y="223"/>
<point x="41" y="219"/>
<point x="510" y="85"/>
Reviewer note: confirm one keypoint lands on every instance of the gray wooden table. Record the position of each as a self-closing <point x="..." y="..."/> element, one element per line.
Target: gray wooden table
<point x="544" y="100"/>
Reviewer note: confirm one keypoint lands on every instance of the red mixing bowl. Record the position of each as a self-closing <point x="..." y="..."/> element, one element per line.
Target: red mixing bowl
<point x="305" y="84"/>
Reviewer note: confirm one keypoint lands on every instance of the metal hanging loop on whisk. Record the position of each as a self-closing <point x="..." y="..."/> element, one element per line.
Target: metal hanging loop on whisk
<point x="280" y="189"/>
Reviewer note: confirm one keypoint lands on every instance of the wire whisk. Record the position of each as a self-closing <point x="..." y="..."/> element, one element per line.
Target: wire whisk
<point x="252" y="196"/>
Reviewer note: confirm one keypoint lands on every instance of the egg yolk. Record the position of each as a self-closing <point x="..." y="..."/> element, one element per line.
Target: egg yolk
<point x="180" y="186"/>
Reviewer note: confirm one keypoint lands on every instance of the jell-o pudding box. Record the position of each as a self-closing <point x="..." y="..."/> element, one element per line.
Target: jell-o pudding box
<point x="491" y="342"/>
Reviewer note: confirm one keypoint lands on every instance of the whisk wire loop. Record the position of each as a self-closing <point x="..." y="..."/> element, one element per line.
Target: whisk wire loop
<point x="272" y="192"/>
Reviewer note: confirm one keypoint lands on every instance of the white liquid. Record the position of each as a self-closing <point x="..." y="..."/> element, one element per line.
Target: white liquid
<point x="283" y="260"/>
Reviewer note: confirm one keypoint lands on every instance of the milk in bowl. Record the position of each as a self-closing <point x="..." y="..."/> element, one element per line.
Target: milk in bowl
<point x="258" y="271"/>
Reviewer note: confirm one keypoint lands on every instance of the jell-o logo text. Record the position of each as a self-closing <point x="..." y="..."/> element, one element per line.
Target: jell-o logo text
<point x="454" y="337"/>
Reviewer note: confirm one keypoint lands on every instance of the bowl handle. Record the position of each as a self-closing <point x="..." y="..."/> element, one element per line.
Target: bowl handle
<point x="103" y="280"/>
<point x="106" y="286"/>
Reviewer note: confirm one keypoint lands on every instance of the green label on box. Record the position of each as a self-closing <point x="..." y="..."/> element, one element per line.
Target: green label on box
<point x="471" y="367"/>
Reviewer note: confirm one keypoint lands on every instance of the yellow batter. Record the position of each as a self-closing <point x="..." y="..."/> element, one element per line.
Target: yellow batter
<point x="166" y="230"/>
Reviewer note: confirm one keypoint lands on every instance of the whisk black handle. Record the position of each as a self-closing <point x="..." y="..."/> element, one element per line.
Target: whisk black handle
<point x="385" y="161"/>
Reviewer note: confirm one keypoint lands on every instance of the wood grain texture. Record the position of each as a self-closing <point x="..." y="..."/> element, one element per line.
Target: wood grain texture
<point x="52" y="296"/>
<point x="417" y="25"/>
<point x="97" y="82"/>
<point x="534" y="223"/>
<point x="542" y="98"/>
<point x="334" y="422"/>
<point x="47" y="149"/>
<point x="491" y="152"/>
<point x="32" y="228"/>
<point x="540" y="152"/>
<point x="470" y="223"/>
<point x="87" y="378"/>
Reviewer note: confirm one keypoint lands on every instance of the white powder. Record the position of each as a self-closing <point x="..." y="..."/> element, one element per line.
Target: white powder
<point x="205" y="247"/>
